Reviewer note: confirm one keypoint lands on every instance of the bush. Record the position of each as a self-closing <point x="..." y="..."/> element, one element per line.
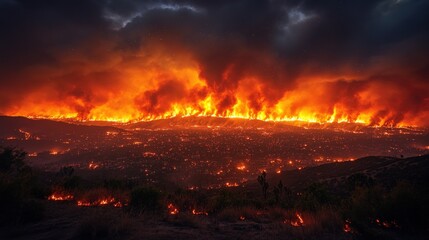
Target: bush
<point x="314" y="197"/>
<point x="407" y="207"/>
<point x="17" y="189"/>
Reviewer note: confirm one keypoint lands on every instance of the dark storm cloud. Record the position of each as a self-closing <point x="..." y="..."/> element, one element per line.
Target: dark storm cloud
<point x="55" y="42"/>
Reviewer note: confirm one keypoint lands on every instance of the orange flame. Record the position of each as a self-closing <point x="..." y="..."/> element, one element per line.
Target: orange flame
<point x="60" y="197"/>
<point x="172" y="209"/>
<point x="298" y="222"/>
<point x="347" y="228"/>
<point x="195" y="212"/>
<point x="100" y="202"/>
<point x="150" y="94"/>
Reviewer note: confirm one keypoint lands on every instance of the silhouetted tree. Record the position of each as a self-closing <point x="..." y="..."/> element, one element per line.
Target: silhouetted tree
<point x="262" y="179"/>
<point x="11" y="160"/>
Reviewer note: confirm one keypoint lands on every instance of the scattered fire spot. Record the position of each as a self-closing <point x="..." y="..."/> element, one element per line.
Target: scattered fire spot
<point x="386" y="224"/>
<point x="93" y="166"/>
<point x="149" y="154"/>
<point x="228" y="184"/>
<point x="60" y="197"/>
<point x="27" y="135"/>
<point x="34" y="154"/>
<point x="241" y="167"/>
<point x="195" y="212"/>
<point x="347" y="228"/>
<point x="242" y="218"/>
<point x="172" y="209"/>
<point x="298" y="222"/>
<point x="100" y="202"/>
<point x="53" y="152"/>
<point x="109" y="133"/>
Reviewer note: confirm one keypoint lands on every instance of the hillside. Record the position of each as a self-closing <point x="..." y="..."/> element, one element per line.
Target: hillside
<point x="16" y="126"/>
<point x="385" y="170"/>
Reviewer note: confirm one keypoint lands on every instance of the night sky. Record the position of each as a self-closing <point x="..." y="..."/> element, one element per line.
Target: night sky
<point x="356" y="61"/>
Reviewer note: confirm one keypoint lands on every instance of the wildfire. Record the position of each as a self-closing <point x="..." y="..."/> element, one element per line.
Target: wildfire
<point x="192" y="96"/>
<point x="241" y="167"/>
<point x="195" y="212"/>
<point x="298" y="222"/>
<point x="347" y="228"/>
<point x="60" y="197"/>
<point x="53" y="152"/>
<point x="386" y="224"/>
<point x="100" y="202"/>
<point x="228" y="184"/>
<point x="93" y="165"/>
<point x="172" y="209"/>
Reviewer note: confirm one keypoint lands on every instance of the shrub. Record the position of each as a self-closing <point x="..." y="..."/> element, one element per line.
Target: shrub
<point x="17" y="188"/>
<point x="101" y="225"/>
<point x="314" y="197"/>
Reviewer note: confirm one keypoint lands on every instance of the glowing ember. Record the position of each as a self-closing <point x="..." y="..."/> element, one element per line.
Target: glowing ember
<point x="172" y="209"/>
<point x="83" y="204"/>
<point x="241" y="167"/>
<point x="53" y="152"/>
<point x="93" y="166"/>
<point x="228" y="184"/>
<point x="299" y="222"/>
<point x="195" y="212"/>
<point x="242" y="218"/>
<point x="27" y="135"/>
<point x="100" y="202"/>
<point x="60" y="197"/>
<point x="347" y="227"/>
<point x="386" y="224"/>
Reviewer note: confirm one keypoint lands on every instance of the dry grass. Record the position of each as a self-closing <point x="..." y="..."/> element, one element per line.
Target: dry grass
<point x="105" y="224"/>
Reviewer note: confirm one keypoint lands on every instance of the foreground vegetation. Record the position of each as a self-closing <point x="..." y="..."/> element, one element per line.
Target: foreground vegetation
<point x="357" y="207"/>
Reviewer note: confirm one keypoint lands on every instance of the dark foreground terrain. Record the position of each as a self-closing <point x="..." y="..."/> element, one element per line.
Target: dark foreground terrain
<point x="369" y="198"/>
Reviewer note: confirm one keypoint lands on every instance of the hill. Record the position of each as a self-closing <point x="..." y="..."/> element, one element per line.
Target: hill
<point x="18" y="126"/>
<point x="385" y="170"/>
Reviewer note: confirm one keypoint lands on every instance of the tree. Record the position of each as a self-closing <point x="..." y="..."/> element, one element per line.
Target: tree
<point x="262" y="179"/>
<point x="11" y="160"/>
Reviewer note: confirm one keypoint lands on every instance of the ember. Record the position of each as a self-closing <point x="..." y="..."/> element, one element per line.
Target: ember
<point x="172" y="209"/>
<point x="347" y="227"/>
<point x="298" y="222"/>
<point x="60" y="197"/>
<point x="195" y="212"/>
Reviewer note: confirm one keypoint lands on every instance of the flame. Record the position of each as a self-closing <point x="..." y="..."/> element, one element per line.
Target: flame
<point x="100" y="202"/>
<point x="195" y="212"/>
<point x="298" y="222"/>
<point x="386" y="224"/>
<point x="241" y="167"/>
<point x="228" y="184"/>
<point x="150" y="93"/>
<point x="93" y="165"/>
<point x="172" y="209"/>
<point x="60" y="197"/>
<point x="347" y="228"/>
